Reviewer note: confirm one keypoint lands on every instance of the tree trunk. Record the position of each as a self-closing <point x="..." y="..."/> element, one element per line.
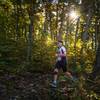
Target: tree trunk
<point x="46" y="20"/>
<point x="96" y="70"/>
<point x="61" y="25"/>
<point x="30" y="37"/>
<point x="50" y="24"/>
<point x="57" y="15"/>
<point x="17" y="20"/>
<point x="76" y="34"/>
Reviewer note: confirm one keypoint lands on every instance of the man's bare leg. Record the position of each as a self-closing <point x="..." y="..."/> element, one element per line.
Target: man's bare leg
<point x="69" y="74"/>
<point x="55" y="77"/>
<point x="55" y="74"/>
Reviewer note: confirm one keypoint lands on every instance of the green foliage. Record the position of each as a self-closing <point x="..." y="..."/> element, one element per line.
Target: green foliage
<point x="43" y="55"/>
<point x="49" y="21"/>
<point x="10" y="55"/>
<point x="14" y="53"/>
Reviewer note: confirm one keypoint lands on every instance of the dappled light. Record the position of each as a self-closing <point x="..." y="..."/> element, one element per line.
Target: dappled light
<point x="40" y="37"/>
<point x="49" y="41"/>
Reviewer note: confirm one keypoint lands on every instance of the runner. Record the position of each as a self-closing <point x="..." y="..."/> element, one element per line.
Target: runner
<point x="61" y="63"/>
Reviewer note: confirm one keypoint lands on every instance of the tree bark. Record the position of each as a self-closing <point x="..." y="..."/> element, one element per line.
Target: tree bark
<point x="30" y="36"/>
<point x="76" y="34"/>
<point x="46" y="19"/>
<point x="17" y="20"/>
<point x="61" y="25"/>
<point x="96" y="69"/>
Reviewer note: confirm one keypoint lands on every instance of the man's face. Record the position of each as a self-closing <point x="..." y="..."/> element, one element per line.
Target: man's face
<point x="59" y="44"/>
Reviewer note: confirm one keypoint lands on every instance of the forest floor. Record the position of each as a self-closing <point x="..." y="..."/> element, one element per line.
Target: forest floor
<point x="27" y="86"/>
<point x="30" y="86"/>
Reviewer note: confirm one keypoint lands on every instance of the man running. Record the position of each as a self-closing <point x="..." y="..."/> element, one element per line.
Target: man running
<point x="61" y="63"/>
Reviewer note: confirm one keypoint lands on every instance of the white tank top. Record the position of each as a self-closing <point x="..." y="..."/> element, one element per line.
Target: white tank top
<point x="61" y="50"/>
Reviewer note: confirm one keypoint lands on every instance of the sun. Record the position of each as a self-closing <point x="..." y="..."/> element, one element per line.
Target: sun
<point x="73" y="14"/>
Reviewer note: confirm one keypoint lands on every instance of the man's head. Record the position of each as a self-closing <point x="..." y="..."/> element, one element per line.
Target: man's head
<point x="60" y="43"/>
